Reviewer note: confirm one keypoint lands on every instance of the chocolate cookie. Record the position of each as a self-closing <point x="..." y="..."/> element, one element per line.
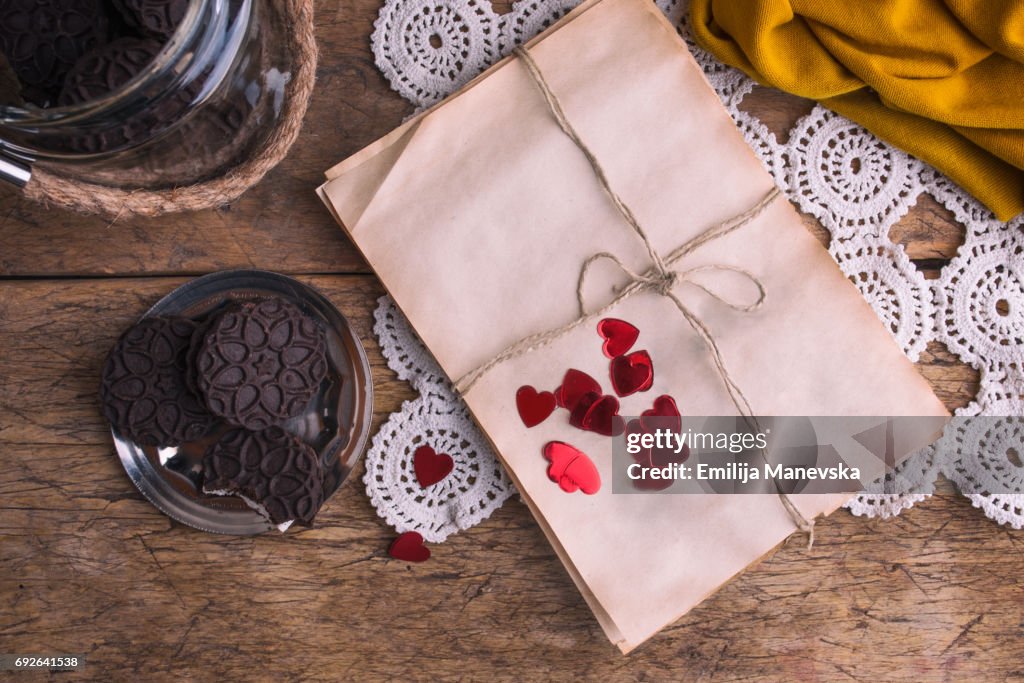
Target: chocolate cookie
<point x="104" y="70"/>
<point x="192" y="356"/>
<point x="278" y="475"/>
<point x="157" y="18"/>
<point x="107" y="68"/>
<point x="143" y="389"/>
<point x="261" y="364"/>
<point x="10" y="86"/>
<point x="43" y="39"/>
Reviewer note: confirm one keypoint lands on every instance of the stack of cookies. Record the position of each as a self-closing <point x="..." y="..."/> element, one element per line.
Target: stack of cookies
<point x="69" y="51"/>
<point x="240" y="374"/>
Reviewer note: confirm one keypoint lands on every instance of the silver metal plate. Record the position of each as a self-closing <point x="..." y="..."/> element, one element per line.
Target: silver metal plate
<point x="336" y="422"/>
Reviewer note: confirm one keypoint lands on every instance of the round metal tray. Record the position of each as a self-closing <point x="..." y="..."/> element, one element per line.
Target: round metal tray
<point x="336" y="422"/>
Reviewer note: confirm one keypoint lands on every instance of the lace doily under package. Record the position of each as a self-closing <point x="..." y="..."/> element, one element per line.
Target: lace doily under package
<point x="481" y="217"/>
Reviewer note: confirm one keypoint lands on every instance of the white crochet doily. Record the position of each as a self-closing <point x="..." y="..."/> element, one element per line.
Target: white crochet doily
<point x="831" y="168"/>
<point x="476" y="486"/>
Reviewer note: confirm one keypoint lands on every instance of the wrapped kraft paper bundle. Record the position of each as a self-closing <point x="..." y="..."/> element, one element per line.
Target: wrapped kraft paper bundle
<point x="479" y="216"/>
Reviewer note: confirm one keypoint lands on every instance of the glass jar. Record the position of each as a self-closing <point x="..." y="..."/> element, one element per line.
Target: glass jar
<point x="201" y="106"/>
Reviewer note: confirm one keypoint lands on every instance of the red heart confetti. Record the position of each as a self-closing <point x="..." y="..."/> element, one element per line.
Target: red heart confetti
<point x="632" y="373"/>
<point x="571" y="468"/>
<point x="603" y="417"/>
<point x="409" y="547"/>
<point x="597" y="413"/>
<point x="578" y="416"/>
<point x="534" y="406"/>
<point x="651" y="457"/>
<point x="664" y="415"/>
<point x="575" y="385"/>
<point x="619" y="336"/>
<point x="430" y="466"/>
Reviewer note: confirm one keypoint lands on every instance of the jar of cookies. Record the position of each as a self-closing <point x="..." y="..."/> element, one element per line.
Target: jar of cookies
<point x="138" y="94"/>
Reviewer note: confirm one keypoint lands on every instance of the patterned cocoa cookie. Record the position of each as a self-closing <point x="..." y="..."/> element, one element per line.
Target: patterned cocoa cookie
<point x="157" y="18"/>
<point x="278" y="475"/>
<point x="261" y="364"/>
<point x="107" y="68"/>
<point x="203" y="326"/>
<point x="104" y="70"/>
<point x="10" y="86"/>
<point x="43" y="39"/>
<point x="143" y="389"/>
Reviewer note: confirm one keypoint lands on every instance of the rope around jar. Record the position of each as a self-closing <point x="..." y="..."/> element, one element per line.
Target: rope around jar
<point x="51" y="189"/>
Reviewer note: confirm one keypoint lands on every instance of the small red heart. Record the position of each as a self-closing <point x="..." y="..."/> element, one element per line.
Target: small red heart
<point x="571" y="468"/>
<point x="534" y="406"/>
<point x="578" y="416"/>
<point x="632" y="373"/>
<point x="619" y="336"/>
<point x="647" y="459"/>
<point x="596" y="413"/>
<point x="431" y="467"/>
<point x="575" y="385"/>
<point x="664" y="415"/>
<point x="409" y="547"/>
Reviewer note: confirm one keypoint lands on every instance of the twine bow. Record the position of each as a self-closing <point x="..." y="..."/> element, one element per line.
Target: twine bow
<point x="662" y="278"/>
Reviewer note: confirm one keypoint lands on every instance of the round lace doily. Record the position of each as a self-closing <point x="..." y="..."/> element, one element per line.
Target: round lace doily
<point x="857" y="186"/>
<point x="477" y="485"/>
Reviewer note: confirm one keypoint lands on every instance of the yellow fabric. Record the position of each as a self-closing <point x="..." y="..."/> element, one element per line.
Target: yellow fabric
<point x="942" y="79"/>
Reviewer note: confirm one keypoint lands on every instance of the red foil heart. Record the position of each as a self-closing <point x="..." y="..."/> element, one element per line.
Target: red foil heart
<point x="431" y="467"/>
<point x="619" y="336"/>
<point x="597" y="413"/>
<point x="652" y="457"/>
<point x="571" y="468"/>
<point x="578" y="416"/>
<point x="575" y="385"/>
<point x="632" y="373"/>
<point x="664" y="415"/>
<point x="534" y="406"/>
<point x="409" y="547"/>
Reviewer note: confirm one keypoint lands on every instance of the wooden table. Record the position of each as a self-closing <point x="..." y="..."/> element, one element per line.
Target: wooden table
<point x="90" y="567"/>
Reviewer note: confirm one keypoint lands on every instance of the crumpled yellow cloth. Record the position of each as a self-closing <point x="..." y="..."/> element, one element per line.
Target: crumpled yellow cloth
<point x="942" y="79"/>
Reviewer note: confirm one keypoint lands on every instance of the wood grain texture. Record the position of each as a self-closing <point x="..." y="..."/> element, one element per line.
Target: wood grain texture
<point x="88" y="566"/>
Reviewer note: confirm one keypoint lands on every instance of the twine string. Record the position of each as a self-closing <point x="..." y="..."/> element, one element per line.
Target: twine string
<point x="661" y="278"/>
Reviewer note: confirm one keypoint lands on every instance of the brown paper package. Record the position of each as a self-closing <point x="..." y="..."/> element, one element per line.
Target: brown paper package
<point x="477" y="216"/>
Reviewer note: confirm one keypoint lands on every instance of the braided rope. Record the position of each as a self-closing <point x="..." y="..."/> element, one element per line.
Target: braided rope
<point x="51" y="189"/>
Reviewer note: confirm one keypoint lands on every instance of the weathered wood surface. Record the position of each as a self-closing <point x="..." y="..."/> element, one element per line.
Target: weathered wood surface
<point x="87" y="566"/>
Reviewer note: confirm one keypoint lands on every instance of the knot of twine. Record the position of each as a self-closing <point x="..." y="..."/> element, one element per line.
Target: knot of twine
<point x="664" y="283"/>
<point x="661" y="278"/>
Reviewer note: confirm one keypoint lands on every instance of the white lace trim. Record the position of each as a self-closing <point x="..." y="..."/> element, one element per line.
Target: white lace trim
<point x="857" y="186"/>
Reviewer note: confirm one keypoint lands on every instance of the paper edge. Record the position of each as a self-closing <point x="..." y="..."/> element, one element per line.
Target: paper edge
<point x="374" y="147"/>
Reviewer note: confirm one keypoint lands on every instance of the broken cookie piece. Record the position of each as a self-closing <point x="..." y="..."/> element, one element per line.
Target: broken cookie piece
<point x="276" y="474"/>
